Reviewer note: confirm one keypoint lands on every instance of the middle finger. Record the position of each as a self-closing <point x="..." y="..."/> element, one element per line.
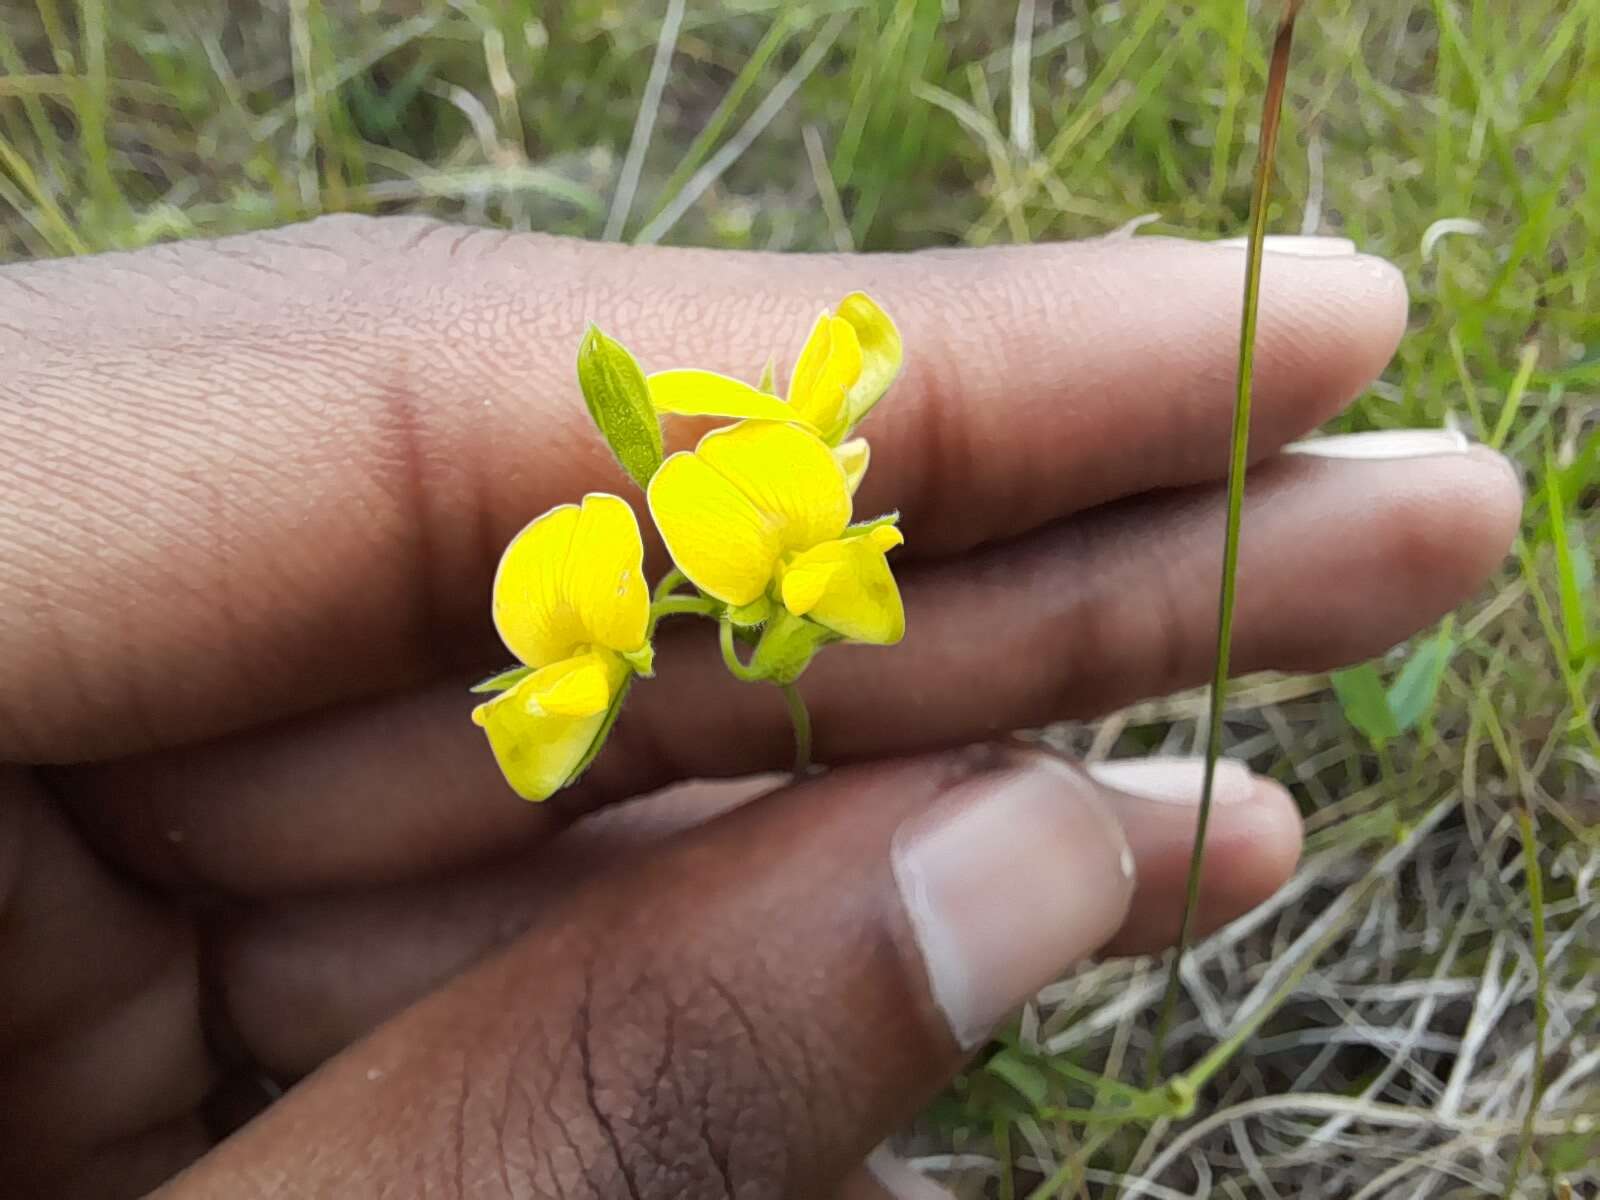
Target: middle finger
<point x="1341" y="558"/>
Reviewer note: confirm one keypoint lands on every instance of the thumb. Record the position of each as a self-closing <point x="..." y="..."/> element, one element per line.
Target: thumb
<point x="750" y="1011"/>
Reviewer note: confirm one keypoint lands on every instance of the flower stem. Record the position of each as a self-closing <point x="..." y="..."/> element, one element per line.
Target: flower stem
<point x="674" y="606"/>
<point x="670" y="582"/>
<point x="1272" y="112"/>
<point x="730" y="656"/>
<point x="801" y="717"/>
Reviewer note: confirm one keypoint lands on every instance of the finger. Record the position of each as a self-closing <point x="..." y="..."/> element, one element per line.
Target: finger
<point x="1340" y="560"/>
<point x="749" y="1010"/>
<point x="284" y="470"/>
<point x="101" y="1055"/>
<point x="343" y="964"/>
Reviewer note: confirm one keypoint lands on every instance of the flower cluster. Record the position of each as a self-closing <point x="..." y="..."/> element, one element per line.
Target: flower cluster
<point x="757" y="518"/>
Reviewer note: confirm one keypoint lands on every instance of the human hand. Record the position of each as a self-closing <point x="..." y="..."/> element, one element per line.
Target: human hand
<point x="253" y="492"/>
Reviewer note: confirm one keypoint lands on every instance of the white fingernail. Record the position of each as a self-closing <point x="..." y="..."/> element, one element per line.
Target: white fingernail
<point x="1385" y="443"/>
<point x="1014" y="875"/>
<point x="1175" y="780"/>
<point x="900" y="1180"/>
<point x="1304" y="247"/>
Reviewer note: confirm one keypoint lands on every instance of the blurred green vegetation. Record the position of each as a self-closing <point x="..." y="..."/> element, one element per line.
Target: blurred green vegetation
<point x="1460" y="138"/>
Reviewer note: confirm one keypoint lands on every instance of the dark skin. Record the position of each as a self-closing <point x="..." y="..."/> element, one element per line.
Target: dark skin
<point x="252" y="494"/>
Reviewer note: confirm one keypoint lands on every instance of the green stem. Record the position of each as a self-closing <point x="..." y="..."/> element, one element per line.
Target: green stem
<point x="1272" y="111"/>
<point x="801" y="717"/>
<point x="674" y="606"/>
<point x="1391" y="786"/>
<point x="730" y="656"/>
<point x="670" y="582"/>
<point x="1185" y="1087"/>
<point x="1070" y="1173"/>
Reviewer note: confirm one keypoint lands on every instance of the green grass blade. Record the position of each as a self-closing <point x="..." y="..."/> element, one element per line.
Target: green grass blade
<point x="1271" y="119"/>
<point x="1574" y="611"/>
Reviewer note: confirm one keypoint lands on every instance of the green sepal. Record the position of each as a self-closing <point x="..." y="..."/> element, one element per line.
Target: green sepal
<point x="787" y="646"/>
<point x="642" y="660"/>
<point x="865" y="527"/>
<point x="601" y="734"/>
<point x="769" y="376"/>
<point x="747" y="616"/>
<point x="614" y="388"/>
<point x="504" y="681"/>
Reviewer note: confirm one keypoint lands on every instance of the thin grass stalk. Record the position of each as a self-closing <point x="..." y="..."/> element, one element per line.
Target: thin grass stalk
<point x="1271" y="118"/>
<point x="1541" y="1012"/>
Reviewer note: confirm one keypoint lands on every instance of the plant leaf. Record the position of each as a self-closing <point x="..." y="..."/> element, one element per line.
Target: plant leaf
<point x="1411" y="695"/>
<point x="1365" y="704"/>
<point x="614" y="388"/>
<point x="1022" y="1075"/>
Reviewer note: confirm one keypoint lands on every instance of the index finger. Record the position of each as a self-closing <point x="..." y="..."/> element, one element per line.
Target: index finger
<point x="282" y="469"/>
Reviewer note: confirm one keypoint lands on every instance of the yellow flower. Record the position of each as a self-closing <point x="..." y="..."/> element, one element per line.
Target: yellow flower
<point x="759" y="514"/>
<point x="847" y="364"/>
<point x="570" y="602"/>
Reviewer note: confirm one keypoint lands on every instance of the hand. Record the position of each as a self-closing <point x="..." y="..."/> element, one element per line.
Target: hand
<point x="253" y="492"/>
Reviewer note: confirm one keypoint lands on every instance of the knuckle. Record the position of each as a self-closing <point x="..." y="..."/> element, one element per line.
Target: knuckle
<point x="683" y="1092"/>
<point x="661" y="1087"/>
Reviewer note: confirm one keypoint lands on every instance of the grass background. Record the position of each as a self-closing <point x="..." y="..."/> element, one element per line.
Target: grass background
<point x="1375" y="1031"/>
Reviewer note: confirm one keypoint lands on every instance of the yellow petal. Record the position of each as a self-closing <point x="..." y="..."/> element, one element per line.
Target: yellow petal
<point x="531" y="614"/>
<point x="539" y="750"/>
<point x="604" y="579"/>
<point x="803" y="586"/>
<point x="787" y="474"/>
<point x="718" y="538"/>
<point x="853" y="457"/>
<point x="574" y="687"/>
<point x="858" y="598"/>
<point x="885" y="538"/>
<point x="881" y="353"/>
<point x="573" y="577"/>
<point x="707" y="394"/>
<point x="828" y="367"/>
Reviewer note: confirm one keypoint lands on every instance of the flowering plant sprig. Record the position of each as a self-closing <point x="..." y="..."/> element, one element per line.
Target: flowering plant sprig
<point x="758" y="519"/>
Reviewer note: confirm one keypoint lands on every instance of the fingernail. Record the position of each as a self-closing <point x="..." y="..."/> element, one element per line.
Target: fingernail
<point x="1013" y="875"/>
<point x="1385" y="443"/>
<point x="900" y="1180"/>
<point x="1304" y="247"/>
<point x="1176" y="780"/>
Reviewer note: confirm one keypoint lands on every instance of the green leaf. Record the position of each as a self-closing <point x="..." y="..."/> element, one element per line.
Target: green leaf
<point x="1365" y="704"/>
<point x="1411" y="695"/>
<point x="504" y="681"/>
<point x="619" y="401"/>
<point x="1022" y="1075"/>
